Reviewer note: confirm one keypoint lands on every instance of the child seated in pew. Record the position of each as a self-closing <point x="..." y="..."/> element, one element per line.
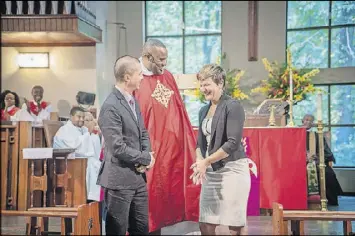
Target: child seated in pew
<point x="9" y="106"/>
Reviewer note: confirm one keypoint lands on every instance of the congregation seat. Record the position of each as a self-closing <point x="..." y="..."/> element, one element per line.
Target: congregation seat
<point x="280" y="218"/>
<point x="86" y="218"/>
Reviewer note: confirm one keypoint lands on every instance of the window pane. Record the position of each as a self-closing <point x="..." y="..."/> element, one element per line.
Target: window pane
<point x="302" y="14"/>
<point x="164" y="18"/>
<point x="343" y="47"/>
<point x="174" y="46"/>
<point x="309" y="48"/>
<point x="343" y="145"/>
<point x="342" y="104"/>
<point x="193" y="106"/>
<point x="201" y="50"/>
<point x="343" y="12"/>
<point x="208" y="20"/>
<point x="309" y="106"/>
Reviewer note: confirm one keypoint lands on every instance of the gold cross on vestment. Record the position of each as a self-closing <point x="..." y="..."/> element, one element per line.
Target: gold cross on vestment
<point x="162" y="94"/>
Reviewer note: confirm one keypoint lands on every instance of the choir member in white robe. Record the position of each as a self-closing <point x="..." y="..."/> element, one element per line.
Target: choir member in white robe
<point x="36" y="110"/>
<point x="87" y="144"/>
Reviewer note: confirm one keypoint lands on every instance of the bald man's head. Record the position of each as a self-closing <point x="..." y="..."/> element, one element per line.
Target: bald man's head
<point x="307" y="121"/>
<point x="125" y="65"/>
<point x="152" y="43"/>
<point x="155" y="56"/>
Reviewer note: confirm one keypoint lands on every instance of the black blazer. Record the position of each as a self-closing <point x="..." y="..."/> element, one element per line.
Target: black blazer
<point x="226" y="131"/>
<point x="126" y="144"/>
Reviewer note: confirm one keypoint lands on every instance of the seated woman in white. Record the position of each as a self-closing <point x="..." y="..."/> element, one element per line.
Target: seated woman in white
<point x="87" y="144"/>
<point x="37" y="109"/>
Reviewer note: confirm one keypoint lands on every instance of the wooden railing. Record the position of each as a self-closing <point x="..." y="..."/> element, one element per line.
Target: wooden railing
<point x="78" y="8"/>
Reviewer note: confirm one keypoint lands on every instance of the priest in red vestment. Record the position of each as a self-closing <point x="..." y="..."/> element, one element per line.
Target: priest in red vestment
<point x="172" y="195"/>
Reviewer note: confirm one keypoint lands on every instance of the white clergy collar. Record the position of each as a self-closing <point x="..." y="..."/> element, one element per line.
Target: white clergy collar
<point x="10" y="108"/>
<point x="145" y="70"/>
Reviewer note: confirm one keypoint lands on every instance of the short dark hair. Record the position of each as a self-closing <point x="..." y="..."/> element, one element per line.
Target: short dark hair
<point x="150" y="43"/>
<point x="76" y="109"/>
<point x="3" y="95"/>
<point x="38" y="87"/>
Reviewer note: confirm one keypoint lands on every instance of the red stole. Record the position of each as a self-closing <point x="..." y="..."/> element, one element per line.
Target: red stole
<point x="10" y="113"/>
<point x="35" y="109"/>
<point x="172" y="196"/>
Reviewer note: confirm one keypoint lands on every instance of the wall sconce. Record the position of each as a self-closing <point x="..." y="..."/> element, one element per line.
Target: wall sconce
<point x="33" y="60"/>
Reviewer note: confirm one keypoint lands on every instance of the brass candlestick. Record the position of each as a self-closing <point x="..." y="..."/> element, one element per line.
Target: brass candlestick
<point x="290" y="113"/>
<point x="272" y="116"/>
<point x="322" y="166"/>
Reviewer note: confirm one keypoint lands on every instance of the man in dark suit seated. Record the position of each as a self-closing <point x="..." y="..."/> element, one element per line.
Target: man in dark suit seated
<point x="127" y="148"/>
<point x="333" y="188"/>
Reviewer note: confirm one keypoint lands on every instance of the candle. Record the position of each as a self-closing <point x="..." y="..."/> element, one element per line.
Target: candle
<point x="319" y="106"/>
<point x="291" y="85"/>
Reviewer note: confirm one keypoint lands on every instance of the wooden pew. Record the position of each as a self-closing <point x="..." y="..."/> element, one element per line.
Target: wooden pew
<point x="9" y="166"/>
<point x="281" y="217"/>
<point x="15" y="178"/>
<point x="86" y="218"/>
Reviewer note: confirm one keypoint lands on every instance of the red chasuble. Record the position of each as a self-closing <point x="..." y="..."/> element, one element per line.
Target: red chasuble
<point x="172" y="196"/>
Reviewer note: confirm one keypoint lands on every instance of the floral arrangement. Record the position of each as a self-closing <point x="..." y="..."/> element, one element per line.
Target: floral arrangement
<point x="232" y="84"/>
<point x="278" y="83"/>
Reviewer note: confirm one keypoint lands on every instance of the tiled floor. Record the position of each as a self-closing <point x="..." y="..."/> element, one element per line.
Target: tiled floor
<point x="257" y="225"/>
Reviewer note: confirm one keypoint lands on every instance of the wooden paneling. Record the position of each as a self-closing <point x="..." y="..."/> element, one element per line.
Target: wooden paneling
<point x="16" y="171"/>
<point x="23" y="182"/>
<point x="4" y="162"/>
<point x="48" y="30"/>
<point x="9" y="166"/>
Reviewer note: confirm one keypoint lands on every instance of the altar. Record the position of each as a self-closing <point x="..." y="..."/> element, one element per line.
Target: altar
<point x="279" y="154"/>
<point x="280" y="157"/>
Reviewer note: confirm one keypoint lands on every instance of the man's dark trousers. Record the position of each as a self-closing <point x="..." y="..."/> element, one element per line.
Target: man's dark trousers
<point x="127" y="210"/>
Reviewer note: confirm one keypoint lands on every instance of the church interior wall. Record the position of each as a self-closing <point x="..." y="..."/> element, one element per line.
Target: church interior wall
<point x="271" y="44"/>
<point x="90" y="69"/>
<point x="71" y="69"/>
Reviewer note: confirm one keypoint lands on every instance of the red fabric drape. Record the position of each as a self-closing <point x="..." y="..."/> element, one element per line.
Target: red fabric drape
<point x="172" y="196"/>
<point x="280" y="156"/>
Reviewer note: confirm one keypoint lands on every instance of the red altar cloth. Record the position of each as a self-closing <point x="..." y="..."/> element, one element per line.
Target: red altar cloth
<point x="280" y="157"/>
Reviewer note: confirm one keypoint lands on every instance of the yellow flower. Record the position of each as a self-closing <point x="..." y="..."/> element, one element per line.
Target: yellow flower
<point x="218" y="61"/>
<point x="267" y="65"/>
<point x="298" y="97"/>
<point x="192" y="92"/>
<point x="239" y="75"/>
<point x="310" y="74"/>
<point x="238" y="94"/>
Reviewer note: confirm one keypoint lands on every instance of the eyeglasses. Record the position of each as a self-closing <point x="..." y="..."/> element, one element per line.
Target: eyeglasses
<point x="9" y="98"/>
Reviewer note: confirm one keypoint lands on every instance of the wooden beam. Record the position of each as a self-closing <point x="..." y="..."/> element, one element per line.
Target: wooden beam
<point x="48" y="30"/>
<point x="252" y="30"/>
<point x="48" y="44"/>
<point x="23" y="179"/>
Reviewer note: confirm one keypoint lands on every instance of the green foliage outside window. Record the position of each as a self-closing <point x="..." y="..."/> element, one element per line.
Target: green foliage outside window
<point x="320" y="35"/>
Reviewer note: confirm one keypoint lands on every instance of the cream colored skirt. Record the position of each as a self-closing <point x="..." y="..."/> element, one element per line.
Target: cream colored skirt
<point x="224" y="195"/>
